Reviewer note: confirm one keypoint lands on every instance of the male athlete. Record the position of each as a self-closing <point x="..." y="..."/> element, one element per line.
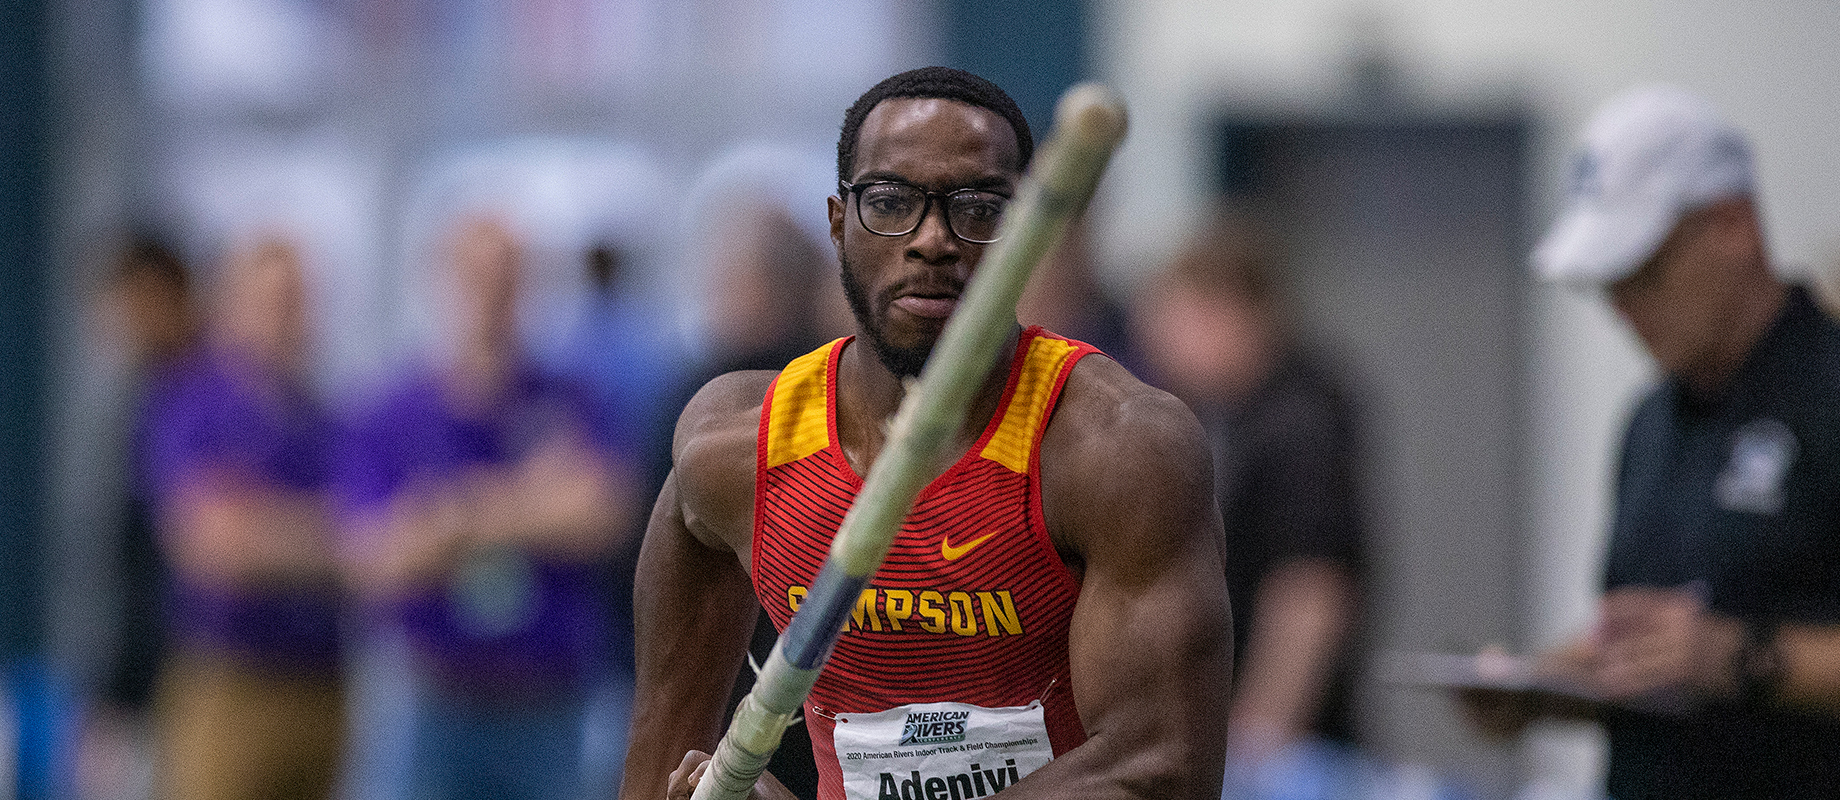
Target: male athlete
<point x="1051" y="621"/>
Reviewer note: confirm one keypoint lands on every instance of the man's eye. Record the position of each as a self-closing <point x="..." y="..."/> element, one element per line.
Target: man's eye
<point x="982" y="210"/>
<point x="889" y="205"/>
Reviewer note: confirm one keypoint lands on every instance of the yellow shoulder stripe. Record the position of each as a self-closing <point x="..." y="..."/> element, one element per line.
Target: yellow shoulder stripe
<point x="798" y="424"/>
<point x="1014" y="440"/>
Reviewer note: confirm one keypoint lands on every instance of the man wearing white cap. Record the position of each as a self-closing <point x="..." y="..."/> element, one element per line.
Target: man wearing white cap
<point x="1717" y="644"/>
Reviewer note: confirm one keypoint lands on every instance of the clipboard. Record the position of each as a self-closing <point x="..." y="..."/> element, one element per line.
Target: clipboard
<point x="1504" y="672"/>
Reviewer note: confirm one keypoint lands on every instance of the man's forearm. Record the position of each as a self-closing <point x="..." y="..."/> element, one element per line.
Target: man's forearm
<point x="1809" y="675"/>
<point x="248" y="536"/>
<point x="694" y="612"/>
<point x="565" y="502"/>
<point x="1303" y="614"/>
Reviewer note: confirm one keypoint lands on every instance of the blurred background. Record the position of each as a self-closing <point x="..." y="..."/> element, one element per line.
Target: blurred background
<point x="1406" y="153"/>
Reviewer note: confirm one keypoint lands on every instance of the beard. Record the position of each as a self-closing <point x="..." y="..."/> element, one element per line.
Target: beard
<point x="904" y="362"/>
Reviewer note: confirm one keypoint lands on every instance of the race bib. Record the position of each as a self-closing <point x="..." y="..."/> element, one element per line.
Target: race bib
<point x="939" y="751"/>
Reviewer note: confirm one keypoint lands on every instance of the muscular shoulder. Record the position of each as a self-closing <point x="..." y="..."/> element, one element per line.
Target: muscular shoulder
<point x="721" y="410"/>
<point x="1106" y="409"/>
<point x="1120" y="455"/>
<point x="713" y="456"/>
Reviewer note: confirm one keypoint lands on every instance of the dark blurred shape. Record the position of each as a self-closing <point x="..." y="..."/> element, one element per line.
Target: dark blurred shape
<point x="1213" y="330"/>
<point x="1374" y="78"/>
<point x="151" y="291"/>
<point x="605" y="267"/>
<point x="624" y="351"/>
<point x="771" y="297"/>
<point x="146" y="305"/>
<point x="250" y="702"/>
<point x="1401" y="231"/>
<point x="149" y="300"/>
<point x="484" y="495"/>
<point x="1035" y="49"/>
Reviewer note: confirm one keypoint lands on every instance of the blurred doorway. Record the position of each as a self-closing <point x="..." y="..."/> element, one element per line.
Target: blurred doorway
<point x="1404" y="239"/>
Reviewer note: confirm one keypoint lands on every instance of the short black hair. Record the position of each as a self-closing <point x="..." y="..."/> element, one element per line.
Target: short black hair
<point x="944" y="83"/>
<point x="149" y="254"/>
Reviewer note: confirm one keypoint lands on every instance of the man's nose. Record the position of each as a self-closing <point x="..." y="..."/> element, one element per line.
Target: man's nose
<point x="933" y="240"/>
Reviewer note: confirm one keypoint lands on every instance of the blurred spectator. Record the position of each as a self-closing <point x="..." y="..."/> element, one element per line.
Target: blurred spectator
<point x="250" y="704"/>
<point x="623" y="352"/>
<point x="773" y="295"/>
<point x="1064" y="296"/>
<point x="484" y="496"/>
<point x="1714" y="660"/>
<point x="146" y="304"/>
<point x="1212" y="330"/>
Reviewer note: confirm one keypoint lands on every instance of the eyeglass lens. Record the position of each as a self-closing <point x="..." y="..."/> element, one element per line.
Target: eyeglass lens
<point x="894" y="209"/>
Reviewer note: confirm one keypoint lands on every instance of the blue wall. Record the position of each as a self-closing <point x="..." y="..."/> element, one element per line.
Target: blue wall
<point x="24" y="219"/>
<point x="1034" y="49"/>
<point x="25" y="116"/>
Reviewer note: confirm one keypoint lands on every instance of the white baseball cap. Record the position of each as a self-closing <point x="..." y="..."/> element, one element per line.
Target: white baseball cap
<point x="1649" y="156"/>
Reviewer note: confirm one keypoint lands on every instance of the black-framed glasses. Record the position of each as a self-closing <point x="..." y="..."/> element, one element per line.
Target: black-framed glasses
<point x="894" y="208"/>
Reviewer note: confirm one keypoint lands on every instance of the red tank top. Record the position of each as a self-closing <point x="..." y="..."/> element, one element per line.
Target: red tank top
<point x="973" y="602"/>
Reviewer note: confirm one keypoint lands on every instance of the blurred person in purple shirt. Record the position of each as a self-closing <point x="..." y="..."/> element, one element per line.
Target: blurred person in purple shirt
<point x="483" y="499"/>
<point x="233" y="462"/>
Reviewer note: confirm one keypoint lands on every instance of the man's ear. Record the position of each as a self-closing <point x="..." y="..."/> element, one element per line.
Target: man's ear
<point x="1734" y="225"/>
<point x="1733" y="216"/>
<point x="835" y="205"/>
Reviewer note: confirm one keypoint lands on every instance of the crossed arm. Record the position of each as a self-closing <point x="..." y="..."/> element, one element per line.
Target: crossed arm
<point x="1305" y="609"/>
<point x="231" y="529"/>
<point x="562" y="500"/>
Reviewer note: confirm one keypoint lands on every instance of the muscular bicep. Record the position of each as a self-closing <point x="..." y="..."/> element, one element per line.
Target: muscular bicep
<point x="694" y="611"/>
<point x="1151" y="639"/>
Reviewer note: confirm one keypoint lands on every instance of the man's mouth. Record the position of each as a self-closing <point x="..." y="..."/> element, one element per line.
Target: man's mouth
<point x="928" y="306"/>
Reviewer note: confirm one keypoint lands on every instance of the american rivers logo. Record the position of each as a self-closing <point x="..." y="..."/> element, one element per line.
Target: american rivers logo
<point x="978" y="782"/>
<point x="934" y="727"/>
